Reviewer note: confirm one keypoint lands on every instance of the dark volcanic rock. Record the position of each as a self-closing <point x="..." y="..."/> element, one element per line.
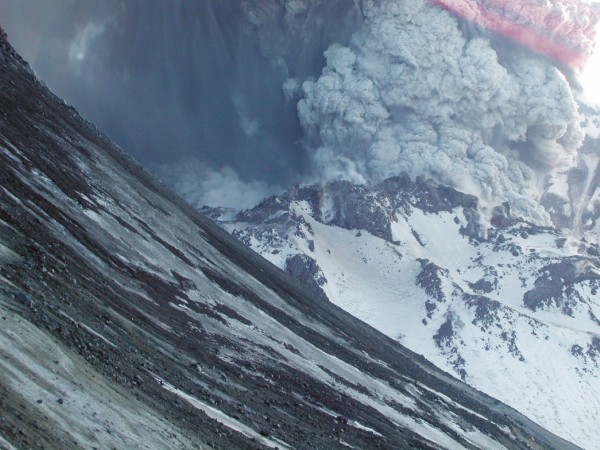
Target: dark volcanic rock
<point x="430" y="279"/>
<point x="306" y="270"/>
<point x="426" y="194"/>
<point x="353" y="207"/>
<point x="554" y="287"/>
<point x="482" y="285"/>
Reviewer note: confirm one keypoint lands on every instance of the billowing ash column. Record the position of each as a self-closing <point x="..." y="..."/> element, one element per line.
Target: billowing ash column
<point x="469" y="93"/>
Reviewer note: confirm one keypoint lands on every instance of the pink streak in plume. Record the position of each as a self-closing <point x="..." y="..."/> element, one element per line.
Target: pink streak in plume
<point x="564" y="30"/>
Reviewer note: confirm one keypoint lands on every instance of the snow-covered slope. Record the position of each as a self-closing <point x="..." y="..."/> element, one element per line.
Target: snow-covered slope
<point x="509" y="307"/>
<point x="131" y="321"/>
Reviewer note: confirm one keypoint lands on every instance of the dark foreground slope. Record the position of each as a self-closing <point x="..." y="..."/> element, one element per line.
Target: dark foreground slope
<point x="127" y="320"/>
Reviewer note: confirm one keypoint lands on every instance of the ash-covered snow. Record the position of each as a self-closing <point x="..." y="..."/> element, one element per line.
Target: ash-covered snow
<point x="82" y="404"/>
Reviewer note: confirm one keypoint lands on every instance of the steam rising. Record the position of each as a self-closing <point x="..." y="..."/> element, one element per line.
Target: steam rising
<point x="202" y="186"/>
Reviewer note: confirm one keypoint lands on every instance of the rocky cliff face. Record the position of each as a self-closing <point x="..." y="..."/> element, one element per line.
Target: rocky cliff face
<point x="131" y="321"/>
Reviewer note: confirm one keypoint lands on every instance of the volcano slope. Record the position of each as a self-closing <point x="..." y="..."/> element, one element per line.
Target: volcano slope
<point x="128" y="320"/>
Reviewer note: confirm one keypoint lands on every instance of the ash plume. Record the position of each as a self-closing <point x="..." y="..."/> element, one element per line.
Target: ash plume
<point x="413" y="92"/>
